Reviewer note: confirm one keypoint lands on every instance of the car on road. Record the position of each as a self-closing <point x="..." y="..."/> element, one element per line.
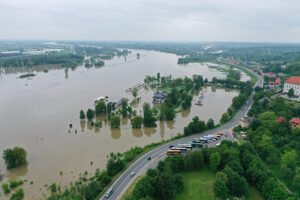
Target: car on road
<point x="108" y="193"/>
<point x="149" y="158"/>
<point x="132" y="174"/>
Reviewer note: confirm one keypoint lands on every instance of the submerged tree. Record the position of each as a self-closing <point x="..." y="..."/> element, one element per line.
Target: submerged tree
<point x="90" y="114"/>
<point x="82" y="115"/>
<point x="115" y="121"/>
<point x="14" y="157"/>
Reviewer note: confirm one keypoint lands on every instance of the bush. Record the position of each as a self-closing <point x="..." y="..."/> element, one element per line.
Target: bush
<point x="5" y="188"/>
<point x="14" y="157"/>
<point x="136" y="122"/>
<point x="18" y="195"/>
<point x="115" y="121"/>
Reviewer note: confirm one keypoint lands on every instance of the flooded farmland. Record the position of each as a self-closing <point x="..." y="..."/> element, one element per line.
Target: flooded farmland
<point x="35" y="114"/>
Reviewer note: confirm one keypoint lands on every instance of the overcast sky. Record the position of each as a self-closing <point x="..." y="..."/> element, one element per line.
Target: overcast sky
<point x="179" y="20"/>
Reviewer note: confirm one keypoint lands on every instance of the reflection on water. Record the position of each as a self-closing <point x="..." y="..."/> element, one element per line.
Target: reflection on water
<point x="170" y="124"/>
<point x="137" y="132"/>
<point x="149" y="131"/>
<point x="162" y="129"/>
<point x="82" y="125"/>
<point x="116" y="133"/>
<point x="18" y="172"/>
<point x="46" y="105"/>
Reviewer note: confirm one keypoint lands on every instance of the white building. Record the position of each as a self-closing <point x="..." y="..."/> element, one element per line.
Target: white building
<point x="292" y="83"/>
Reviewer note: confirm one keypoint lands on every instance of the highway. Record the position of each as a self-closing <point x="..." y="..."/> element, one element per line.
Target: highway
<point x="125" y="179"/>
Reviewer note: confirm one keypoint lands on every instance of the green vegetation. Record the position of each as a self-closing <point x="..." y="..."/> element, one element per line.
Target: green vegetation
<point x="14" y="184"/>
<point x="291" y="92"/>
<point x="115" y="121"/>
<point x="137" y="121"/>
<point x="197" y="185"/>
<point x="82" y="115"/>
<point x="237" y="167"/>
<point x="14" y="157"/>
<point x="18" y="195"/>
<point x="65" y="60"/>
<point x="149" y="119"/>
<point x="90" y="114"/>
<point x="5" y="188"/>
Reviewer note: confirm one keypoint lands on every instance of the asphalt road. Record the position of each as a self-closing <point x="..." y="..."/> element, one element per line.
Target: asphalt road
<point x="125" y="179"/>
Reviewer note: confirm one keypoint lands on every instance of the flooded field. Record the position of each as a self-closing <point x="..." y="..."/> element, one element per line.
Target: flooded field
<point x="35" y="114"/>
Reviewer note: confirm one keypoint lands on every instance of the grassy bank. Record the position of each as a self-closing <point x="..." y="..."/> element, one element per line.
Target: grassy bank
<point x="198" y="185"/>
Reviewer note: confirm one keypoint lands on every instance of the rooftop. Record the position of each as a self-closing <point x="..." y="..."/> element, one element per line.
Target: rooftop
<point x="295" y="122"/>
<point x="294" y="80"/>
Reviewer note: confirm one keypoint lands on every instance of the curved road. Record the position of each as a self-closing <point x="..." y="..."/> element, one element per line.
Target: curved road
<point x="125" y="179"/>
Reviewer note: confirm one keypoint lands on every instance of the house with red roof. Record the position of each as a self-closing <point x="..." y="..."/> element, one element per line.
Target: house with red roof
<point x="280" y="119"/>
<point x="276" y="82"/>
<point x="270" y="75"/>
<point x="295" y="122"/>
<point x="292" y="83"/>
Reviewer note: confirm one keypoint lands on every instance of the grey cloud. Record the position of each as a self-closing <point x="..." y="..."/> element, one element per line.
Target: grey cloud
<point x="200" y="20"/>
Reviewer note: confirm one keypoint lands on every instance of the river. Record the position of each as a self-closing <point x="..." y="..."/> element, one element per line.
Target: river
<point x="35" y="114"/>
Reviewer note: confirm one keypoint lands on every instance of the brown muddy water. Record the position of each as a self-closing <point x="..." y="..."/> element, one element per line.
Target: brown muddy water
<point x="35" y="114"/>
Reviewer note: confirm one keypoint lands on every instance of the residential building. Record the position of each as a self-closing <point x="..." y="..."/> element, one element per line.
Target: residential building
<point x="292" y="83"/>
<point x="295" y="122"/>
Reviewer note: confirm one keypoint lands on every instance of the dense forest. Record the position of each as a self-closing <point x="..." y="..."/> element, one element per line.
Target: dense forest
<point x="276" y="142"/>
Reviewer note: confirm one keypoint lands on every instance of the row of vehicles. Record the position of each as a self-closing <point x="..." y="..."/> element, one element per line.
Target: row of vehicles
<point x="195" y="143"/>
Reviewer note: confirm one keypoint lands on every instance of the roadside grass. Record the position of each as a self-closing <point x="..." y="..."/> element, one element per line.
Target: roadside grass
<point x="197" y="185"/>
<point x="131" y="187"/>
<point x="239" y="138"/>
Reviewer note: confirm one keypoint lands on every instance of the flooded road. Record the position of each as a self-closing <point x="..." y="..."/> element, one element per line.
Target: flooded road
<point x="35" y="115"/>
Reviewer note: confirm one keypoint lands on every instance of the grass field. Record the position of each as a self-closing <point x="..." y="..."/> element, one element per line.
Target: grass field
<point x="199" y="185"/>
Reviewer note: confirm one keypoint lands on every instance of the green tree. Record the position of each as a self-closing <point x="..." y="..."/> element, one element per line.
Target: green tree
<point x="14" y="157"/>
<point x="100" y="107"/>
<point x="269" y="186"/>
<point x="220" y="185"/>
<point x="90" y="114"/>
<point x="158" y="77"/>
<point x="82" y="115"/>
<point x="296" y="181"/>
<point x="124" y="110"/>
<point x="291" y="92"/>
<point x="236" y="184"/>
<point x="18" y="195"/>
<point x="115" y="121"/>
<point x="210" y="123"/>
<point x="149" y="120"/>
<point x="136" y="122"/>
<point x="214" y="161"/>
<point x="225" y="118"/>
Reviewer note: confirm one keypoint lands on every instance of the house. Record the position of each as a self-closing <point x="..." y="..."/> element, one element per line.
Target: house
<point x="280" y="119"/>
<point x="292" y="83"/>
<point x="295" y="122"/>
<point x="159" y="97"/>
<point x="117" y="101"/>
<point x="276" y="82"/>
<point x="270" y="75"/>
<point x="245" y="121"/>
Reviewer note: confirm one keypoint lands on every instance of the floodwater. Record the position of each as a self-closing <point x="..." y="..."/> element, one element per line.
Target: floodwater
<point x="35" y="114"/>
